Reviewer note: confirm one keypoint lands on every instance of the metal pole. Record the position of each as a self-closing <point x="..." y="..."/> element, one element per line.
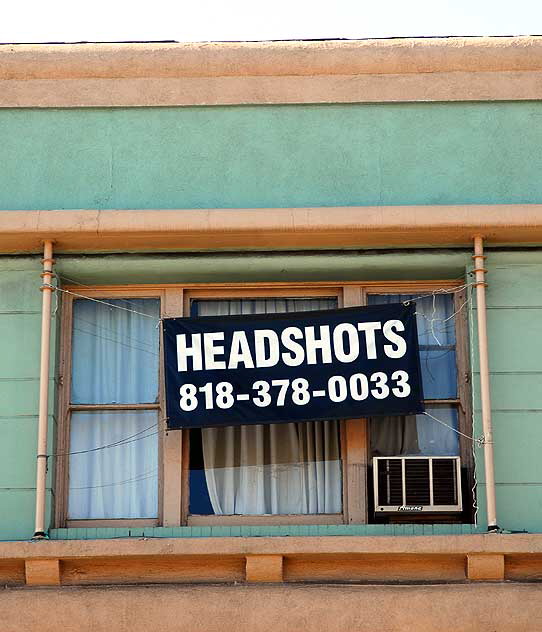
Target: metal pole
<point x="41" y="460"/>
<point x="489" y="464"/>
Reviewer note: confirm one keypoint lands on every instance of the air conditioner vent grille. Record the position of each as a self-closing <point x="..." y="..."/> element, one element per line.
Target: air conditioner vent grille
<point x="390" y="482"/>
<point x="413" y="484"/>
<point x="417" y="482"/>
<point x="444" y="482"/>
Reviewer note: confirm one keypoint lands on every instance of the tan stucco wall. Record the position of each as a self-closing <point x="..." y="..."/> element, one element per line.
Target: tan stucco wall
<point x="422" y="608"/>
<point x="212" y="73"/>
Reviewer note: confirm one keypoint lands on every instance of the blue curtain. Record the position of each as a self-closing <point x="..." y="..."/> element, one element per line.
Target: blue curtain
<point x="436" y="336"/>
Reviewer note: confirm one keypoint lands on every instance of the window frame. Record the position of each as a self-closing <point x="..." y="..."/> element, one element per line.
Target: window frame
<point x="65" y="408"/>
<point x="173" y="446"/>
<point x="463" y="401"/>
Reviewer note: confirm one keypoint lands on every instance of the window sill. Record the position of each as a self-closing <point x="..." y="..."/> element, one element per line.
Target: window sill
<point x="265" y="520"/>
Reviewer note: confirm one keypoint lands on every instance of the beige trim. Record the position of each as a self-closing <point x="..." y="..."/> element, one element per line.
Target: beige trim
<point x="209" y="91"/>
<point x="172" y="493"/>
<point x="239" y="59"/>
<point x="151" y="74"/>
<point x="355" y="433"/>
<point x="268" y="229"/>
<point x="224" y="559"/>
<point x="265" y="289"/>
<point x="520" y="543"/>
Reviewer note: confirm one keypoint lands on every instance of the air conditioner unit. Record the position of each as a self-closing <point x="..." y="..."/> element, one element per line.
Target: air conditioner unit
<point x="417" y="484"/>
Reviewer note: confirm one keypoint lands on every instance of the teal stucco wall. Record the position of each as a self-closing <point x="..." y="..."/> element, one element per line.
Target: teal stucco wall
<point x="279" y="156"/>
<point x="514" y="316"/>
<point x="268" y="156"/>
<point x="515" y="339"/>
<point x="20" y="328"/>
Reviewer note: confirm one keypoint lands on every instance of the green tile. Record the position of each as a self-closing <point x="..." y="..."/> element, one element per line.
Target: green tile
<point x="136" y="533"/>
<point x="103" y="533"/>
<point x="166" y="532"/>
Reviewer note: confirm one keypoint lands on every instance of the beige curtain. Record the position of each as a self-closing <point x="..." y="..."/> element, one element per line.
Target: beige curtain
<point x="393" y="436"/>
<point x="291" y="468"/>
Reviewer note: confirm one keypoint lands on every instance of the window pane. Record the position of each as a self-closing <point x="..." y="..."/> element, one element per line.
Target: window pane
<point x="416" y="434"/>
<point x="115" y="352"/>
<point x="436" y="337"/>
<point x="292" y="468"/>
<point x="221" y="307"/>
<point x="120" y="481"/>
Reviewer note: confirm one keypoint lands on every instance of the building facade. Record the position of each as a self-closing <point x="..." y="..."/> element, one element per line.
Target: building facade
<point x="144" y="181"/>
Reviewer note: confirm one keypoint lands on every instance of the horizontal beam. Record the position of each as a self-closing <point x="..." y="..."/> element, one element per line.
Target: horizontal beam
<point x="162" y="74"/>
<point x="277" y="559"/>
<point x="521" y="85"/>
<point x="516" y="544"/>
<point x="300" y="58"/>
<point x="268" y="229"/>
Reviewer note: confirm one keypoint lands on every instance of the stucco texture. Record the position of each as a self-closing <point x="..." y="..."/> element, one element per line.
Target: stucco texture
<point x="515" y="339"/>
<point x="271" y="156"/>
<point x="462" y="608"/>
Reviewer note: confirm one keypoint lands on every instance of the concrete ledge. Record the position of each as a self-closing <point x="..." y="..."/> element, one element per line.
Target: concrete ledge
<point x="274" y="559"/>
<point x="301" y="58"/>
<point x="506" y="85"/>
<point x="332" y="545"/>
<point x="227" y="73"/>
<point x="277" y="228"/>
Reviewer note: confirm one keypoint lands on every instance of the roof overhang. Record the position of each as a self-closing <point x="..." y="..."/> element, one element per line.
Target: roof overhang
<point x="269" y="229"/>
<point x="353" y="71"/>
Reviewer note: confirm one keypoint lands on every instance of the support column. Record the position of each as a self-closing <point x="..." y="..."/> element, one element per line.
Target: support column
<point x="489" y="465"/>
<point x="43" y="415"/>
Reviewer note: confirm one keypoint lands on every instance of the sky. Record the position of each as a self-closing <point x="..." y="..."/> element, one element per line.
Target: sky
<point x="28" y="21"/>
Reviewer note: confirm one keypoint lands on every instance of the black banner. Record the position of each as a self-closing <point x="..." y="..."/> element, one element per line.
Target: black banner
<point x="332" y="364"/>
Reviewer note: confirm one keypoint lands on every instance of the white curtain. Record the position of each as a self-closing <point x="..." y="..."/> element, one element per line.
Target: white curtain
<point x="291" y="468"/>
<point x="113" y="462"/>
<point x="120" y="481"/>
<point x="115" y="352"/>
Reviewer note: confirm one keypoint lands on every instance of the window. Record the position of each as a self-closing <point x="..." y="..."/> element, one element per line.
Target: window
<point x="111" y="461"/>
<point x="117" y="464"/>
<point x="275" y="469"/>
<point x="442" y="361"/>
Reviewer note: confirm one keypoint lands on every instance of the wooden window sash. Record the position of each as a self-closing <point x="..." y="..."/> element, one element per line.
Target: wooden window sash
<point x="463" y="401"/>
<point x="174" y="445"/>
<point x="263" y="291"/>
<point x="116" y="523"/>
<point x="65" y="407"/>
<point x="196" y="520"/>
